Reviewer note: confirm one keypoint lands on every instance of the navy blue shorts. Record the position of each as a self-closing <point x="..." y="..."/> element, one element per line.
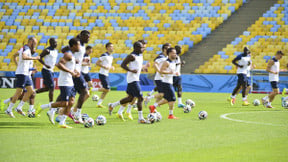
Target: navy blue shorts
<point x="248" y="81"/>
<point x="104" y="81"/>
<point x="242" y="79"/>
<point x="66" y="92"/>
<point x="177" y="82"/>
<point x="159" y="85"/>
<point x="169" y="93"/>
<point x="48" y="78"/>
<point x="23" y="80"/>
<point x="134" y="89"/>
<point x="79" y="83"/>
<point x="274" y="85"/>
<point x="86" y="77"/>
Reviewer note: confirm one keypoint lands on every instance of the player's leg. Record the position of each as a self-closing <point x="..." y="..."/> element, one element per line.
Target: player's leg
<point x="48" y="82"/>
<point x="152" y="91"/>
<point x="244" y="87"/>
<point x="158" y="96"/>
<point x="31" y="110"/>
<point x="179" y="92"/>
<point x="63" y="114"/>
<point x="123" y="103"/>
<point x="272" y="96"/>
<point x="232" y="98"/>
<point x="25" y="98"/>
<point x="84" y="94"/>
<point x="129" y="108"/>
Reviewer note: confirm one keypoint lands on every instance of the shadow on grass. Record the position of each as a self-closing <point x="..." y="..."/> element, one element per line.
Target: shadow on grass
<point x="20" y="124"/>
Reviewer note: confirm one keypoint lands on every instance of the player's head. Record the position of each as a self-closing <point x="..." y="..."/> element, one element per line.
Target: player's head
<point x="178" y="49"/>
<point x="279" y="55"/>
<point x="138" y="47"/>
<point x="143" y="42"/>
<point x="88" y="50"/>
<point x="246" y="50"/>
<point x="109" y="47"/>
<point x="171" y="53"/>
<point x="53" y="42"/>
<point x="165" y="47"/>
<point x="32" y="42"/>
<point x="84" y="36"/>
<point x="74" y="45"/>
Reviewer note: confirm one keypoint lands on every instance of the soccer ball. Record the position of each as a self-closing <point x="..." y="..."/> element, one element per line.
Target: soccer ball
<point x="95" y="97"/>
<point x="89" y="123"/>
<point x="202" y="115"/>
<point x="85" y="117"/>
<point x="256" y="102"/>
<point x="158" y="116"/>
<point x="100" y="120"/>
<point x="285" y="105"/>
<point x="187" y="109"/>
<point x="57" y="119"/>
<point x="31" y="114"/>
<point x="151" y="117"/>
<point x="190" y="103"/>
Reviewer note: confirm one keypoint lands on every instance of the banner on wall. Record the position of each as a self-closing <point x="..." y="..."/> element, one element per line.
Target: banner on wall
<point x="7" y="82"/>
<point x="40" y="84"/>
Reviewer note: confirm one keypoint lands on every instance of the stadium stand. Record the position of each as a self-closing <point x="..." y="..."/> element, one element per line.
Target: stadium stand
<point x="119" y="21"/>
<point x="267" y="35"/>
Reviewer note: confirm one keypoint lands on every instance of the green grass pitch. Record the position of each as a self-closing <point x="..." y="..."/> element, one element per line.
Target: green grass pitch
<point x="259" y="134"/>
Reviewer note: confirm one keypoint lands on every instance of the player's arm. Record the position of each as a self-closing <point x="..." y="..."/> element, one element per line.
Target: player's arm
<point x="270" y="64"/>
<point x="124" y="64"/>
<point x="61" y="64"/>
<point x="145" y="67"/>
<point x="16" y="54"/>
<point x="164" y="67"/>
<point x="84" y="63"/>
<point x="99" y="63"/>
<point x="26" y="57"/>
<point x="156" y="66"/>
<point x="234" y="61"/>
<point x="42" y="55"/>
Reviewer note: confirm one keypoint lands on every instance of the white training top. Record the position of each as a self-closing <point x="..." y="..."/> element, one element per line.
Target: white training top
<point x="65" y="78"/>
<point x="106" y="61"/>
<point x="51" y="59"/>
<point x="244" y="61"/>
<point x="79" y="57"/>
<point x="135" y="65"/>
<point x="275" y="68"/>
<point x="85" y="68"/>
<point x="24" y="65"/>
<point x="168" y="78"/>
<point x="159" y="59"/>
<point x="178" y="65"/>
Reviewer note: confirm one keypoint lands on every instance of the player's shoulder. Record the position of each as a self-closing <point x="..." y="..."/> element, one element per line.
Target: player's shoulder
<point x="104" y="54"/>
<point x="274" y="59"/>
<point x="26" y="47"/>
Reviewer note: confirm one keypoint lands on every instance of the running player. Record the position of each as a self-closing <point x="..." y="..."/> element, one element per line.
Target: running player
<point x="49" y="55"/>
<point x="85" y="66"/>
<point x="273" y="68"/>
<point x="79" y="82"/>
<point x="105" y="62"/>
<point x="244" y="61"/>
<point x="135" y="62"/>
<point x="177" y="80"/>
<point x="65" y="82"/>
<point x="157" y="63"/>
<point x="23" y="79"/>
<point x="168" y="69"/>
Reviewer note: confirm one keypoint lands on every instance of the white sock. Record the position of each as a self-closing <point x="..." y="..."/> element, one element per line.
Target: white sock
<point x="269" y="103"/>
<point x="120" y="111"/>
<point x="140" y="115"/>
<point x="100" y="101"/>
<point x="10" y="107"/>
<point x="170" y="112"/>
<point x="285" y="98"/>
<point x="94" y="89"/>
<point x="179" y="100"/>
<point x="115" y="104"/>
<point x="45" y="106"/>
<point x="233" y="96"/>
<point x="6" y="101"/>
<point x="156" y="104"/>
<point x="78" y="111"/>
<point x="31" y="107"/>
<point x="19" y="107"/>
<point x="53" y="109"/>
<point x="151" y="97"/>
<point x="266" y="98"/>
<point x="244" y="98"/>
<point x="129" y="108"/>
<point x="151" y="92"/>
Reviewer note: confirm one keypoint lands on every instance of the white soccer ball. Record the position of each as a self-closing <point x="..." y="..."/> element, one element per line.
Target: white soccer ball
<point x="89" y="123"/>
<point x="202" y="115"/>
<point x="100" y="120"/>
<point x="256" y="102"/>
<point x="95" y="97"/>
<point x="158" y="116"/>
<point x="84" y="117"/>
<point x="285" y="105"/>
<point x="187" y="109"/>
<point x="151" y="117"/>
<point x="190" y="103"/>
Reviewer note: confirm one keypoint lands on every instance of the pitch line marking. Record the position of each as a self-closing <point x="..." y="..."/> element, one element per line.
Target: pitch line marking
<point x="225" y="116"/>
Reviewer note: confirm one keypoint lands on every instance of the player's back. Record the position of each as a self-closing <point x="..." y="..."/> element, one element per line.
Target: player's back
<point x="51" y="58"/>
<point x="275" y="68"/>
<point x="245" y="61"/>
<point x="79" y="57"/>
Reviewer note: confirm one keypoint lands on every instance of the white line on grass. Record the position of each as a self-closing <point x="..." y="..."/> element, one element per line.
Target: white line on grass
<point x="225" y="116"/>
